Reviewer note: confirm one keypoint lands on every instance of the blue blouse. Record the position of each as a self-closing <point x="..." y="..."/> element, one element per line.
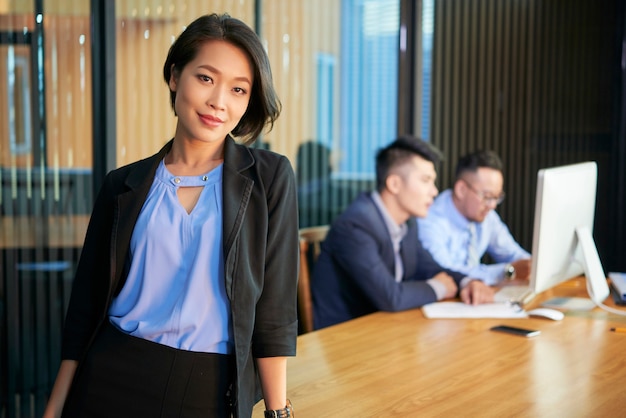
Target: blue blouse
<point x="175" y="293"/>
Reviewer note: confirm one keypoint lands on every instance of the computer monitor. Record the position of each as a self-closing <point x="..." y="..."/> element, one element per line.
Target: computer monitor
<point x="563" y="245"/>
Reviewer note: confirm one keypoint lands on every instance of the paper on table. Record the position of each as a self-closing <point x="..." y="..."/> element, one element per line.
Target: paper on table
<point x="463" y="310"/>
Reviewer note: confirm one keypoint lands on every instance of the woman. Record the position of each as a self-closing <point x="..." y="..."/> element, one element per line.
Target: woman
<point x="185" y="293"/>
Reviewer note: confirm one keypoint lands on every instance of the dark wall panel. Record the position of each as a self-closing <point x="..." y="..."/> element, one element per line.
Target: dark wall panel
<point x="538" y="82"/>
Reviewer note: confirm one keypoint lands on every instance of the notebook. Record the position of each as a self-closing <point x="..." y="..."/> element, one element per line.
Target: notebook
<point x="448" y="309"/>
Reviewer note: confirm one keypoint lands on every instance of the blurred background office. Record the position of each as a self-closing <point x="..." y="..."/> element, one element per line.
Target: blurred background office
<point x="540" y="82"/>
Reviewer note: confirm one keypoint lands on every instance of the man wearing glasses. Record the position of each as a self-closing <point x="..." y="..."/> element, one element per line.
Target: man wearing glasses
<point x="462" y="224"/>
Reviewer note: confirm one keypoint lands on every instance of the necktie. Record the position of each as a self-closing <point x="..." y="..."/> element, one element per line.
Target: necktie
<point x="399" y="265"/>
<point x="472" y="250"/>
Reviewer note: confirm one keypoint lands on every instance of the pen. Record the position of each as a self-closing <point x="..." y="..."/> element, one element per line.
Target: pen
<point x="620" y="330"/>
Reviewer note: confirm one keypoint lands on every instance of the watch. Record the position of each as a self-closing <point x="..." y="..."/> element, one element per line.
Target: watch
<point x="286" y="412"/>
<point x="509" y="271"/>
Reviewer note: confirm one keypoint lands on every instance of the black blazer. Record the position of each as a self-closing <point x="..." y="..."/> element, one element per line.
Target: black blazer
<point x="260" y="230"/>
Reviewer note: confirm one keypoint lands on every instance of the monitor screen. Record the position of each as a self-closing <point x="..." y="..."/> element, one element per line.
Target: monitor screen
<point x="562" y="242"/>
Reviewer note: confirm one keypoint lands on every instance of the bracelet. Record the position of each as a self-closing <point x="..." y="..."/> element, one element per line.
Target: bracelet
<point x="286" y="412"/>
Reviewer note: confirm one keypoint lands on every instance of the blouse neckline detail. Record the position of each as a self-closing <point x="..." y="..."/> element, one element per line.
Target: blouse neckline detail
<point x="202" y="180"/>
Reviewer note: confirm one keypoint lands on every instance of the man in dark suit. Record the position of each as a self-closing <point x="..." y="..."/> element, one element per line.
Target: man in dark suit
<point x="372" y="260"/>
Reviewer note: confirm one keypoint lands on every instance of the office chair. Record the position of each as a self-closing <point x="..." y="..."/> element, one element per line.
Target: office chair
<point x="310" y="240"/>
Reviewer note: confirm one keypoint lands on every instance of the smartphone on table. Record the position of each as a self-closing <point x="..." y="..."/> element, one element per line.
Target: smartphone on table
<point x="516" y="330"/>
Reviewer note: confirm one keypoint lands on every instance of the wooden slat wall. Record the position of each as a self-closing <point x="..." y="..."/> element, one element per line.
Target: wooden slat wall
<point x="68" y="91"/>
<point x="532" y="81"/>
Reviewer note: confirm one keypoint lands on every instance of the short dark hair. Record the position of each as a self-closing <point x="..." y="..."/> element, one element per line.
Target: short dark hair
<point x="264" y="107"/>
<point x="399" y="152"/>
<point x="470" y="163"/>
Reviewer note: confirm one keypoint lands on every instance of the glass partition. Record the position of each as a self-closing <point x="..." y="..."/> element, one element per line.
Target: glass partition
<point x="335" y="69"/>
<point x="335" y="66"/>
<point x="45" y="194"/>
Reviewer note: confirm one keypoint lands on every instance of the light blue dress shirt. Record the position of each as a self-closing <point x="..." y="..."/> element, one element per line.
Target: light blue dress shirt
<point x="175" y="291"/>
<point x="445" y="233"/>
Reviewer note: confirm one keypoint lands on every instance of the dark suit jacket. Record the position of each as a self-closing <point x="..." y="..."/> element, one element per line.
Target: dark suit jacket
<point x="260" y="233"/>
<point x="354" y="274"/>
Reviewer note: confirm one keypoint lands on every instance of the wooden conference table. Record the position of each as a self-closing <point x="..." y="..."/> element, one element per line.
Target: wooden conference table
<point x="404" y="365"/>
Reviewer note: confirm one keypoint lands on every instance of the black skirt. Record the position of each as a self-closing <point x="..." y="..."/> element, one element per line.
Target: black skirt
<point x="126" y="376"/>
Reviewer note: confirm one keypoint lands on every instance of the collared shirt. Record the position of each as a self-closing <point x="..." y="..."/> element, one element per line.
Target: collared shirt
<point x="445" y="233"/>
<point x="397" y="233"/>
<point x="175" y="291"/>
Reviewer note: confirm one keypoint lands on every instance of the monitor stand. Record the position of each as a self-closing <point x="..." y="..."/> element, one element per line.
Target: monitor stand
<point x="597" y="286"/>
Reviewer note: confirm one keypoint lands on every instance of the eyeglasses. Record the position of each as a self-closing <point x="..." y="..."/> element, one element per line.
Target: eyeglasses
<point x="488" y="200"/>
